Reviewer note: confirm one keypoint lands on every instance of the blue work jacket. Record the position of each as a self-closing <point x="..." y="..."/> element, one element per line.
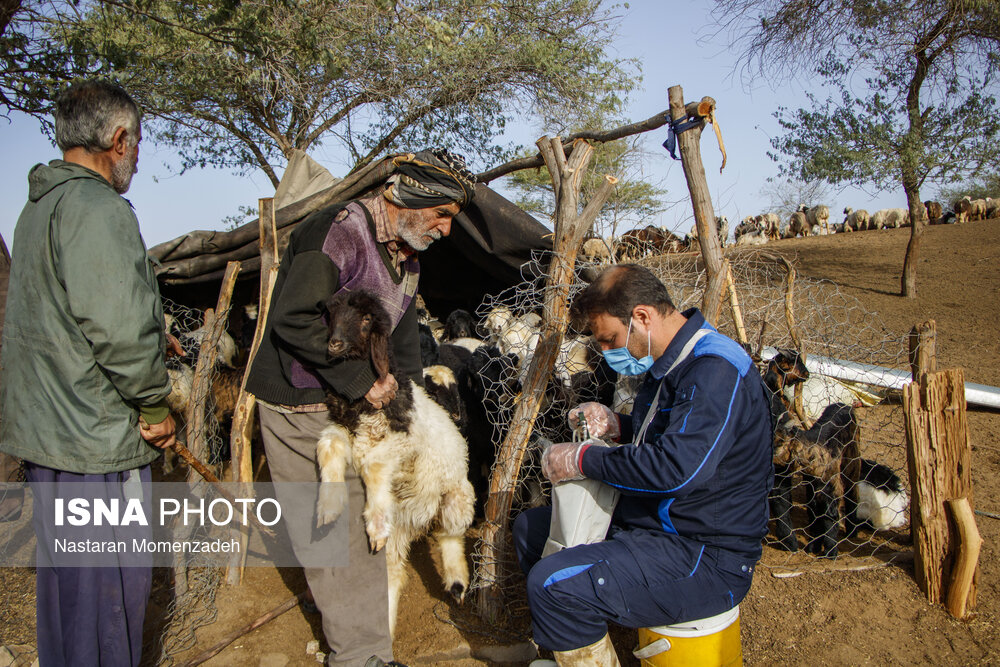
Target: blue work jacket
<point x="704" y="467"/>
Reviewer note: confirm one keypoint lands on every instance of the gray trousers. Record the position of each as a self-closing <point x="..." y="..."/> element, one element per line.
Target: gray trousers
<point x="354" y="600"/>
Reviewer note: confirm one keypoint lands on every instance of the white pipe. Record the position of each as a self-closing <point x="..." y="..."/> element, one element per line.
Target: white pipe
<point x="889" y="378"/>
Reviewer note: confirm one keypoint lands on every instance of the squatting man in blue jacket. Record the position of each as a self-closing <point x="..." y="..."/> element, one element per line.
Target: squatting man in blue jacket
<point x="686" y="532"/>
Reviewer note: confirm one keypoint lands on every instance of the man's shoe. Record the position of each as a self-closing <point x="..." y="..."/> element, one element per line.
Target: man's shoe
<point x="376" y="661"/>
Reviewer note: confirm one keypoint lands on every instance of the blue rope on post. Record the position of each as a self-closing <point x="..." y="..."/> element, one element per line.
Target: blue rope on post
<point x="674" y="128"/>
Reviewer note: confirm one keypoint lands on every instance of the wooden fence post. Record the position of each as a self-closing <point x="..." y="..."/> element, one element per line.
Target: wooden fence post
<point x="201" y="387"/>
<point x="571" y="226"/>
<point x="689" y="142"/>
<point x="923" y="349"/>
<point x="241" y="437"/>
<point x="939" y="459"/>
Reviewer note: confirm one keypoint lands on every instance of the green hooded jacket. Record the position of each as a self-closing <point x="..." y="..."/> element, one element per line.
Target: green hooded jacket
<point x="83" y="344"/>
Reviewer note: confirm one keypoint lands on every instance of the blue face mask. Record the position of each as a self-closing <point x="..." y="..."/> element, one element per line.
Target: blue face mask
<point x="622" y="361"/>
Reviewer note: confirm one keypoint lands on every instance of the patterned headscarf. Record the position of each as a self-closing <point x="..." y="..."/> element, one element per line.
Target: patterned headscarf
<point x="430" y="178"/>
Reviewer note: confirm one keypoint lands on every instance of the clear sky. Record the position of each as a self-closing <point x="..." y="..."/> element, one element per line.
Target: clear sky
<point x="673" y="42"/>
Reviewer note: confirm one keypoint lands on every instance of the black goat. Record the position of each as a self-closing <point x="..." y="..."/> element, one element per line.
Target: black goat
<point x="428" y="346"/>
<point x="459" y="324"/>
<point x="488" y="385"/>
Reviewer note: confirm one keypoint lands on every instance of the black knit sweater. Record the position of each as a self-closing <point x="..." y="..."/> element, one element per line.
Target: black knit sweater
<point x="307" y="277"/>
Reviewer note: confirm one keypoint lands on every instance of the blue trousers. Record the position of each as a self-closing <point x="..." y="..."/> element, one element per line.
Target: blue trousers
<point x="88" y="615"/>
<point x="636" y="578"/>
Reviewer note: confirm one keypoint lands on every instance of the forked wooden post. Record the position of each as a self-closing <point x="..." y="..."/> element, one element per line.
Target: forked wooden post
<point x="689" y="143"/>
<point x="939" y="459"/>
<point x="571" y="226"/>
<point x="242" y="432"/>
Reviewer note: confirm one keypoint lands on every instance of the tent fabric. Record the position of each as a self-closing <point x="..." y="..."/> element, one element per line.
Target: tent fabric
<point x="490" y="247"/>
<point x="303" y="177"/>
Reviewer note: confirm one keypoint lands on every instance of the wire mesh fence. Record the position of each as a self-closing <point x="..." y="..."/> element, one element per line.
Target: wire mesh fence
<point x="188" y="593"/>
<point x="827" y="322"/>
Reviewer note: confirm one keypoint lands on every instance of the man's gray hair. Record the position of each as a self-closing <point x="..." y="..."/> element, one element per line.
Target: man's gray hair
<point x="88" y="113"/>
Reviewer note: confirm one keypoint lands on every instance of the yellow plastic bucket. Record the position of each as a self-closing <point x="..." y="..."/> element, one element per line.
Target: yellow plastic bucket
<point x="706" y="642"/>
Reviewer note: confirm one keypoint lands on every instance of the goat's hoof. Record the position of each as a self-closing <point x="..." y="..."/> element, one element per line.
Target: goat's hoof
<point x="457" y="591"/>
<point x="378" y="530"/>
<point x="788" y="544"/>
<point x="377" y="544"/>
<point x="331" y="503"/>
<point x="819" y="550"/>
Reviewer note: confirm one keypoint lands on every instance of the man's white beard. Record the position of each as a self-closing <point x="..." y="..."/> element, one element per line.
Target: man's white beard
<point x="410" y="230"/>
<point x="122" y="172"/>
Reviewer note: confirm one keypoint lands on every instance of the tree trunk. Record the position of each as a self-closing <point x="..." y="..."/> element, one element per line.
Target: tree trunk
<point x="918" y="221"/>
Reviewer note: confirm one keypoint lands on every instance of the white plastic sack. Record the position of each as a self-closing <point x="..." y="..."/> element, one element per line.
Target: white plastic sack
<point x="581" y="514"/>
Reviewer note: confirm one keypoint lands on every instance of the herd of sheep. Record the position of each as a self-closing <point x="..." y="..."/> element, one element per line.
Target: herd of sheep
<point x="760" y="229"/>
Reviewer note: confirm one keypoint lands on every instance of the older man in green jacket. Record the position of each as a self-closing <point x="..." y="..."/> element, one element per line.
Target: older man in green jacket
<point x="84" y="382"/>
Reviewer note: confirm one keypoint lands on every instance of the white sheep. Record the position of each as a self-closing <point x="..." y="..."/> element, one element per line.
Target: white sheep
<point x="856" y="221"/>
<point x="513" y="335"/>
<point x="596" y="250"/>
<point x="819" y="216"/>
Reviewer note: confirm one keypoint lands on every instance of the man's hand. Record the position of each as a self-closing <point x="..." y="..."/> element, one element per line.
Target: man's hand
<point x="602" y="422"/>
<point x="174" y="348"/>
<point x="561" y="461"/>
<point x="382" y="391"/>
<point x="159" y="435"/>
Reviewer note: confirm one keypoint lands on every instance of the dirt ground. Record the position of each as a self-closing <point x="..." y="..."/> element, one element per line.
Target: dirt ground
<point x="873" y="616"/>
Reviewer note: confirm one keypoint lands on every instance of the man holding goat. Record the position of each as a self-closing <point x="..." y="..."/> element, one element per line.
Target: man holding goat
<point x="368" y="244"/>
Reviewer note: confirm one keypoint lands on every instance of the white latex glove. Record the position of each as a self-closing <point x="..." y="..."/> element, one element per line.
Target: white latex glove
<point x="561" y="461"/>
<point x="602" y="422"/>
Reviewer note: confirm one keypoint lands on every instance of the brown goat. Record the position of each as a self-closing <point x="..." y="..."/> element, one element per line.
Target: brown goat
<point x="827" y="457"/>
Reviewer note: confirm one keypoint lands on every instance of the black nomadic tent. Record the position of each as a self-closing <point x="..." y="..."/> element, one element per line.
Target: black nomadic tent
<point x="491" y="243"/>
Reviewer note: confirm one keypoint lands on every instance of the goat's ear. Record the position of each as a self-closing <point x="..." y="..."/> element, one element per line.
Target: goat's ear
<point x="379" y="343"/>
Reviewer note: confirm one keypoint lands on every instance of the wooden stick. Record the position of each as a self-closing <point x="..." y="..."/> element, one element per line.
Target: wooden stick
<point x="734" y="305"/>
<point x="651" y="123"/>
<point x="967" y="559"/>
<point x="827" y="567"/>
<point x="210" y="477"/>
<point x="246" y="629"/>
<point x="201" y="384"/>
<point x="793" y="331"/>
<point x="923" y="349"/>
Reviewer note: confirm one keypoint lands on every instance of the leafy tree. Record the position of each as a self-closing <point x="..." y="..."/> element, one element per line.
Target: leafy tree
<point x="985" y="186"/>
<point x="240" y="84"/>
<point x="910" y="80"/>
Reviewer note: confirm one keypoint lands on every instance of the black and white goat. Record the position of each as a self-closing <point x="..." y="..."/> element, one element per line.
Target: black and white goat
<point x="409" y="454"/>
<point x="882" y="497"/>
